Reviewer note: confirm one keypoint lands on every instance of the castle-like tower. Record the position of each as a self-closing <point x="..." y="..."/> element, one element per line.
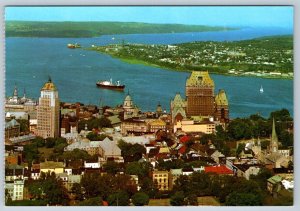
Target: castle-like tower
<point x="200" y="94"/>
<point x="48" y="111"/>
<point x="221" y="107"/>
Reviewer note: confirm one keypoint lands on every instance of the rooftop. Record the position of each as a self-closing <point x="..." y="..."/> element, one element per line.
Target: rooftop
<point x="199" y="78"/>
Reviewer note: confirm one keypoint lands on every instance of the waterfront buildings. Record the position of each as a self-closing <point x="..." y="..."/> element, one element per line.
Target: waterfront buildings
<point x="48" y="111"/>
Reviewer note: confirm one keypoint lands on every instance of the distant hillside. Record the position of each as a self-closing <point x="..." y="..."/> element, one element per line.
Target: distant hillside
<point x="94" y="29"/>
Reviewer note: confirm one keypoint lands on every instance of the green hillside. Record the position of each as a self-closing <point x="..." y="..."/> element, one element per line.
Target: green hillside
<point x="94" y="29"/>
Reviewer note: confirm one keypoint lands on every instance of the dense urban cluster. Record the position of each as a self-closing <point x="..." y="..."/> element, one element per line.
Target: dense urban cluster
<point x="270" y="57"/>
<point x="59" y="153"/>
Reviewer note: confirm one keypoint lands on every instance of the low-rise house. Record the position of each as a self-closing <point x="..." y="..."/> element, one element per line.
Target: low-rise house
<point x="174" y="175"/>
<point x="15" y="189"/>
<point x="244" y="170"/>
<point x="161" y="180"/>
<point x="187" y="171"/>
<point x="274" y="185"/>
<point x="35" y="174"/>
<point x="52" y="166"/>
<point x="217" y="156"/>
<point x="109" y="149"/>
<point x="157" y="125"/>
<point x="221" y="170"/>
<point x="133" y="125"/>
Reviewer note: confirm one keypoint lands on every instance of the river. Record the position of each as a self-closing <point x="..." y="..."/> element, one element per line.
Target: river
<point x="29" y="61"/>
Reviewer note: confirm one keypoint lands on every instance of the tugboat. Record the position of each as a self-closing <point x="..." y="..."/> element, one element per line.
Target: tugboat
<point x="110" y="85"/>
<point x="73" y="46"/>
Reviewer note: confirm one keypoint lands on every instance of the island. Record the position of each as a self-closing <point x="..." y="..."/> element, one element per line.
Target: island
<point x="97" y="28"/>
<point x="268" y="57"/>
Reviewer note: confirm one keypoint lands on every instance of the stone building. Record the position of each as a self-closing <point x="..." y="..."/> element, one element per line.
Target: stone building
<point x="200" y="94"/>
<point x="48" y="111"/>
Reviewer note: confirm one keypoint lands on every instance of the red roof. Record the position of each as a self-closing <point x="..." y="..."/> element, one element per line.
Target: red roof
<point x="218" y="170"/>
<point x="104" y="203"/>
<point x="184" y="139"/>
<point x="182" y="149"/>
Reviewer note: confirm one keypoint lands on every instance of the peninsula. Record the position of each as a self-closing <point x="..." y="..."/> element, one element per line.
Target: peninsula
<point x="96" y="29"/>
<point x="268" y="57"/>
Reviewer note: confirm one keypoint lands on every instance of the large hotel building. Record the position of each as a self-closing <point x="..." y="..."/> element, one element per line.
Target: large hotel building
<point x="48" y="111"/>
<point x="201" y="101"/>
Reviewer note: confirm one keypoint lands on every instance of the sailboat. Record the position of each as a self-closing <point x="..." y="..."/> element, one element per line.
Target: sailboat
<point x="261" y="90"/>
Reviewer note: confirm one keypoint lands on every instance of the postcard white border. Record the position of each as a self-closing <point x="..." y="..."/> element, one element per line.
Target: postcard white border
<point x="294" y="3"/>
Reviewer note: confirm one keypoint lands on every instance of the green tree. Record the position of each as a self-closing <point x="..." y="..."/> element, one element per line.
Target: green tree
<point x="96" y="201"/>
<point x="24" y="125"/>
<point x="50" y="189"/>
<point x="192" y="200"/>
<point x="77" y="191"/>
<point x="243" y="199"/>
<point x="111" y="167"/>
<point x="119" y="198"/>
<point x="178" y="199"/>
<point x="281" y="115"/>
<point x="140" y="199"/>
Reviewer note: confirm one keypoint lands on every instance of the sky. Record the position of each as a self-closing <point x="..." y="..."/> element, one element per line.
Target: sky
<point x="252" y="16"/>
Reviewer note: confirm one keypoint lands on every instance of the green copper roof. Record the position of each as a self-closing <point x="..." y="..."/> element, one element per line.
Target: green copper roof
<point x="199" y="78"/>
<point x="275" y="179"/>
<point x="221" y="98"/>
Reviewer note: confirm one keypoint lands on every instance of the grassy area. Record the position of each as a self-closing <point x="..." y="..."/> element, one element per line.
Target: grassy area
<point x="45" y="152"/>
<point x="159" y="202"/>
<point x="208" y="201"/>
<point x="202" y="201"/>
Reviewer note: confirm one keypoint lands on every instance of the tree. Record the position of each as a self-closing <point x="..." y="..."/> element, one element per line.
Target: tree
<point x="96" y="201"/>
<point x="49" y="188"/>
<point x="281" y="115"/>
<point x="77" y="191"/>
<point x="140" y="199"/>
<point x="178" y="199"/>
<point x="119" y="198"/>
<point x="111" y="167"/>
<point x="192" y="200"/>
<point x="243" y="199"/>
<point x="24" y="125"/>
<point x="148" y="187"/>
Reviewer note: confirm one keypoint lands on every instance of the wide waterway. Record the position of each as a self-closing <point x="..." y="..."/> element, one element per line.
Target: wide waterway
<point x="29" y="61"/>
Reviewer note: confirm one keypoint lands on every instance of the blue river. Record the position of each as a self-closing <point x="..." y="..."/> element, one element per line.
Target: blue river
<point x="29" y="62"/>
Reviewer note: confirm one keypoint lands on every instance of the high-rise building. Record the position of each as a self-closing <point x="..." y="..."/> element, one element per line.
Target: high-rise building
<point x="48" y="111"/>
<point x="200" y="94"/>
<point x="221" y="107"/>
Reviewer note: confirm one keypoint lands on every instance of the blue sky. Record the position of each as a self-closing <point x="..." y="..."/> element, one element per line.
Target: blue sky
<point x="253" y="16"/>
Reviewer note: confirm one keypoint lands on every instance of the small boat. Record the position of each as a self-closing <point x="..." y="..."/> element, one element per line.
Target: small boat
<point x="261" y="90"/>
<point x="110" y="85"/>
<point x="73" y="45"/>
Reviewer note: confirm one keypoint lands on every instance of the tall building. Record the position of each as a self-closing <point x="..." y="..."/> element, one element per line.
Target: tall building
<point x="221" y="107"/>
<point x="48" y="111"/>
<point x="200" y="94"/>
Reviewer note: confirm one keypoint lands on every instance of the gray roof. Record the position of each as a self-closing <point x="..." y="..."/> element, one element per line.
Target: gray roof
<point x="11" y="123"/>
<point x="110" y="147"/>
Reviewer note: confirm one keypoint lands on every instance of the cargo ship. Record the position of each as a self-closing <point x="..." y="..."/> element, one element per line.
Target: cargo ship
<point x="110" y="85"/>
<point x="74" y="45"/>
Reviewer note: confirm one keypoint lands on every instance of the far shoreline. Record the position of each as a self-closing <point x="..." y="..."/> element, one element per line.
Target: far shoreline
<point x="141" y="62"/>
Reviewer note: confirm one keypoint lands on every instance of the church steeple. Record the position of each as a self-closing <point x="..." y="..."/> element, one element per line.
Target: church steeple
<point x="274" y="139"/>
<point x="15" y="91"/>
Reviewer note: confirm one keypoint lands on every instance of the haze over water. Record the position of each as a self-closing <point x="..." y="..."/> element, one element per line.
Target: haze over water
<point x="29" y="61"/>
